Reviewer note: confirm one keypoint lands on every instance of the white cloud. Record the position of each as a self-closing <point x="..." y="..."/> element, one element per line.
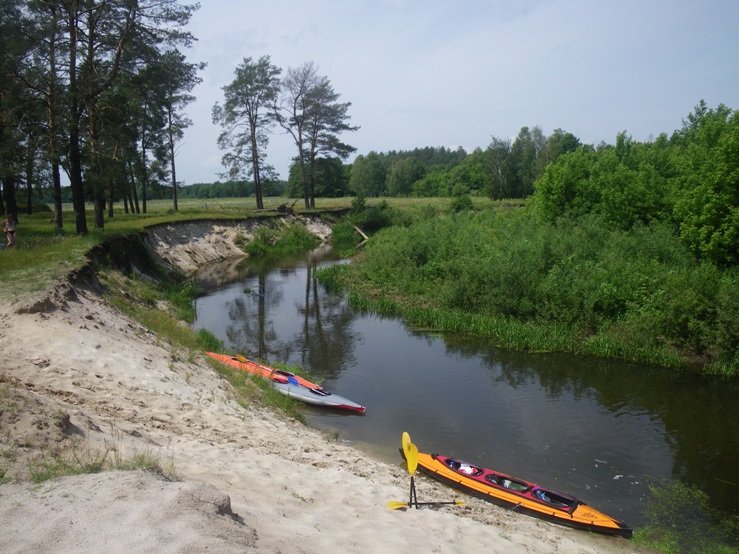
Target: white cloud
<point x="435" y="73"/>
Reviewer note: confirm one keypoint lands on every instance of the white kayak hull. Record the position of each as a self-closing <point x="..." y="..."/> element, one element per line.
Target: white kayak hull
<point x="318" y="397"/>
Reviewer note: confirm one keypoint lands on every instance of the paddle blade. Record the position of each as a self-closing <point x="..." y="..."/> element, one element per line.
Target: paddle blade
<point x="406" y="441"/>
<point x="241" y="358"/>
<point x="412" y="458"/>
<point x="395" y="505"/>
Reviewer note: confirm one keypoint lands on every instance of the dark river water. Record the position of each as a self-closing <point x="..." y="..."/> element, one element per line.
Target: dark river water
<point x="603" y="431"/>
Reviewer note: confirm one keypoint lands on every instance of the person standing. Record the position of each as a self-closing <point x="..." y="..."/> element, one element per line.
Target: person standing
<point x="9" y="228"/>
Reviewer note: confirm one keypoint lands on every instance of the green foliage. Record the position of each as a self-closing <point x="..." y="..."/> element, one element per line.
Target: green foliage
<point x="635" y="294"/>
<point x="182" y="296"/>
<point x="368" y="175"/>
<point x="209" y="342"/>
<point x="331" y="179"/>
<point x="359" y="204"/>
<point x="372" y="218"/>
<point x="271" y="241"/>
<point x="681" y="520"/>
<point x="228" y="189"/>
<point x="344" y="238"/>
<point x="690" y="181"/>
<point x="707" y="189"/>
<point x="461" y="201"/>
<point x="404" y="173"/>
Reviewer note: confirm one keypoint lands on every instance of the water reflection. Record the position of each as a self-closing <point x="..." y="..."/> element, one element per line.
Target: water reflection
<point x="600" y="430"/>
<point x="275" y="311"/>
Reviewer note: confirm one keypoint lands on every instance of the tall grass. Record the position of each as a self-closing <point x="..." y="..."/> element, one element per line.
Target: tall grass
<point x="273" y="241"/>
<point x="578" y="286"/>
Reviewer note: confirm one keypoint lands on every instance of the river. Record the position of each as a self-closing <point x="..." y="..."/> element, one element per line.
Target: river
<point x="600" y="430"/>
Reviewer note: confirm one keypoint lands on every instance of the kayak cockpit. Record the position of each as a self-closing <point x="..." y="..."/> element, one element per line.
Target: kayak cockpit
<point x="463" y="467"/>
<point x="519" y="487"/>
<point x="507" y="482"/>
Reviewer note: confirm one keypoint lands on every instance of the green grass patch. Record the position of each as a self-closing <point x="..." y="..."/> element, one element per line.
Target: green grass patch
<point x="67" y="461"/>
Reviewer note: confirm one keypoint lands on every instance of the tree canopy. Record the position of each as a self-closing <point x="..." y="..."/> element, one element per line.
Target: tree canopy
<point x="690" y="180"/>
<point x="95" y="89"/>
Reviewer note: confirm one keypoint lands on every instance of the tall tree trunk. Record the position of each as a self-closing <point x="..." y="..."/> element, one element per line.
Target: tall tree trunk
<point x="9" y="193"/>
<point x="304" y="179"/>
<point x="170" y="135"/>
<point x="144" y="179"/>
<point x="98" y="198"/>
<point x="312" y="182"/>
<point x="110" y="199"/>
<point x="132" y="185"/>
<point x="30" y="154"/>
<point x="75" y="179"/>
<point x="56" y="193"/>
<point x="75" y="155"/>
<point x="51" y="101"/>
<point x="255" y="168"/>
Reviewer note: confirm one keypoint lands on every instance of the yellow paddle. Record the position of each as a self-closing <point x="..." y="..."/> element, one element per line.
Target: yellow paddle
<point x="406" y="442"/>
<point x="411" y="458"/>
<point x="396" y="505"/>
<point x="410" y="453"/>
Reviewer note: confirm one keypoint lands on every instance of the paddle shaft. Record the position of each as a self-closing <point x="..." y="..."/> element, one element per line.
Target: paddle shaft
<point x="413" y="499"/>
<point x="395" y="505"/>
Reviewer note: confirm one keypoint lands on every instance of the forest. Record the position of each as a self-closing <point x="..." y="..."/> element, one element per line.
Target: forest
<point x="94" y="91"/>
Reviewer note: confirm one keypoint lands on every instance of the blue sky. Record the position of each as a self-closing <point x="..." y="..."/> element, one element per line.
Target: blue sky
<point x="456" y="73"/>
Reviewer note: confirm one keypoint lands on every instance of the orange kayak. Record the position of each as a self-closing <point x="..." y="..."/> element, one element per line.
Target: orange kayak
<point x="277" y="375"/>
<point x="519" y="495"/>
<point x="290" y="384"/>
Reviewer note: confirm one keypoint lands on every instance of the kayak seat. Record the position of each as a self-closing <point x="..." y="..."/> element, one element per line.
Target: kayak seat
<point x="464" y="468"/>
<point x="506" y="482"/>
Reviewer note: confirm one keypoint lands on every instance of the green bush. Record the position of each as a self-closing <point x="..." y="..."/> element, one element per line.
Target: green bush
<point x="636" y="293"/>
<point x="269" y="241"/>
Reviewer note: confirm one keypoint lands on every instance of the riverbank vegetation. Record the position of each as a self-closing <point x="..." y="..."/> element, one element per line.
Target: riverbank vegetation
<point x="680" y="519"/>
<point x="576" y="286"/>
<point x="626" y="251"/>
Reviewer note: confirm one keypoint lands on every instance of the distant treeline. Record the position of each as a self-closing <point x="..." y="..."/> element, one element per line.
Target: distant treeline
<point x="230" y="189"/>
<point x="505" y="169"/>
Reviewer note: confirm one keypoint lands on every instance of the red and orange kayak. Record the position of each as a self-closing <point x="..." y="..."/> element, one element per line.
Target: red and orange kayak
<point x="519" y="495"/>
<point x="290" y="384"/>
<point x="260" y="370"/>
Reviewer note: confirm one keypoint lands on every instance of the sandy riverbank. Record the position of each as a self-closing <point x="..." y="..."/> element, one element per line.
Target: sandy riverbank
<point x="248" y="479"/>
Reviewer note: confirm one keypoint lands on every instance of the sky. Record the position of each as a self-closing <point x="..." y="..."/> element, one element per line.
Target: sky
<point x="458" y="73"/>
